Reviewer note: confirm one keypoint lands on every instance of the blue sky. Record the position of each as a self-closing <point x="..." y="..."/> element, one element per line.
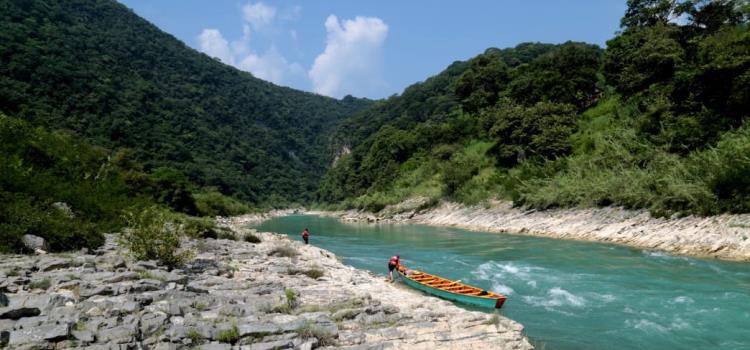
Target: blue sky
<point x="370" y="49"/>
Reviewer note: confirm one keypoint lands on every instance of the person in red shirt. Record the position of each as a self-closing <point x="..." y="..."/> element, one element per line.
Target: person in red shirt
<point x="393" y="264"/>
<point x="306" y="235"/>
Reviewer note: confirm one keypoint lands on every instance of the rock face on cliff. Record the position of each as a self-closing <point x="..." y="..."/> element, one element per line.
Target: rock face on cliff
<point x="276" y="294"/>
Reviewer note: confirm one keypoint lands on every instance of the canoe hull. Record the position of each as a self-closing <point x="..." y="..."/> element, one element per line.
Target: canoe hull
<point x="461" y="298"/>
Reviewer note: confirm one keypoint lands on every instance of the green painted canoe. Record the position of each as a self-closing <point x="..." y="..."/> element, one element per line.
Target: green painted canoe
<point x="451" y="290"/>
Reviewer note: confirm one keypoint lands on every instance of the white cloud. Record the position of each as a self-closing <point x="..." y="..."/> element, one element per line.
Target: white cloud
<point x="349" y="64"/>
<point x="258" y="15"/>
<point x="271" y="66"/>
<point x="213" y="44"/>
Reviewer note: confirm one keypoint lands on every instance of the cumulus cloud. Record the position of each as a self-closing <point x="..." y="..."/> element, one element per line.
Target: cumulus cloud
<point x="258" y="15"/>
<point x="271" y="65"/>
<point x="212" y="43"/>
<point x="349" y="64"/>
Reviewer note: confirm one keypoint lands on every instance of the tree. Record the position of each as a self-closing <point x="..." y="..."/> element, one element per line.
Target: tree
<point x="480" y="85"/>
<point x="566" y="74"/>
<point x="646" y="13"/>
<point x="542" y="130"/>
<point x="641" y="57"/>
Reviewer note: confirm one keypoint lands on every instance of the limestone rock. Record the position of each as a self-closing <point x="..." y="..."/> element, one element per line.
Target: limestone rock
<point x="49" y="264"/>
<point x="35" y="243"/>
<point x="39" y="334"/>
<point x="24" y="306"/>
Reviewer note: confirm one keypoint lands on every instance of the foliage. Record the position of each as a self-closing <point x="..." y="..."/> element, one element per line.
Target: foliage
<point x="42" y="170"/>
<point x="199" y="227"/>
<point x="284" y="251"/>
<point x="97" y="69"/>
<point x="310" y="330"/>
<point x="567" y="74"/>
<point x="229" y="335"/>
<point x="313" y="273"/>
<point x="658" y="120"/>
<point x="153" y="234"/>
<point x="251" y="238"/>
<point x="41" y="284"/>
<point x="213" y="203"/>
<point x="542" y="130"/>
<point x="291" y="297"/>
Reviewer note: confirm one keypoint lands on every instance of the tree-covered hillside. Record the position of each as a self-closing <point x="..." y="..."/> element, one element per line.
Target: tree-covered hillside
<point x="97" y="70"/>
<point x="656" y="120"/>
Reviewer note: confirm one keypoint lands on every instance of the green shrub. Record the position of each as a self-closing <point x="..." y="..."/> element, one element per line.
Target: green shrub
<point x="212" y="203"/>
<point x="231" y="335"/>
<point x="251" y="238"/>
<point x="225" y="233"/>
<point x="291" y="297"/>
<point x="194" y="336"/>
<point x="312" y="273"/>
<point x="197" y="227"/>
<point x="310" y="330"/>
<point x="152" y="233"/>
<point x="284" y="251"/>
<point x="41" y="284"/>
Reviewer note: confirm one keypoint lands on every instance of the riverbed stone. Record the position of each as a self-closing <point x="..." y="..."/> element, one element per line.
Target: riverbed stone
<point x="39" y="334"/>
<point x="124" y="276"/>
<point x="24" y="306"/>
<point x="107" y="304"/>
<point x="49" y="264"/>
<point x="35" y="243"/>
<point x="84" y="336"/>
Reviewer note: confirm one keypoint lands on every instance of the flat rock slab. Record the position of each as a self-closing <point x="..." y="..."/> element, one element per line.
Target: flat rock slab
<point x="24" y="306"/>
<point x="39" y="334"/>
<point x="53" y="264"/>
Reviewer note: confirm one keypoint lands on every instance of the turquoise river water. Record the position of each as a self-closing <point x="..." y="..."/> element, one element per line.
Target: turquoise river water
<point x="568" y="294"/>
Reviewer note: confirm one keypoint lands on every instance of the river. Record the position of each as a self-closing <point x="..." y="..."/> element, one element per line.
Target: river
<point x="568" y="294"/>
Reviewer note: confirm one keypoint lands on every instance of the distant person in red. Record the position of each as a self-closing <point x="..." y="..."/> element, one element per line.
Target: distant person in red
<point x="392" y="264"/>
<point x="306" y="235"/>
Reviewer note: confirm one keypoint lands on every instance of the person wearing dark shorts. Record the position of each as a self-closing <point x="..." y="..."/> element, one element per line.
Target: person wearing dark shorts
<point x="393" y="264"/>
<point x="306" y="235"/>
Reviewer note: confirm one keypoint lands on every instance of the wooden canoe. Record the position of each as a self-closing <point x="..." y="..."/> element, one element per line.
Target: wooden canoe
<point x="451" y="290"/>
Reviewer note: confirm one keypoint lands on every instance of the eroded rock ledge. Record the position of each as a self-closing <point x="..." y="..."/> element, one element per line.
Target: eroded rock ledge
<point x="233" y="295"/>
<point x="723" y="236"/>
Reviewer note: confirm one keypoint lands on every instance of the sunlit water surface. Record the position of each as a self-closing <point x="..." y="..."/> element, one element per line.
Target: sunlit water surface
<point x="568" y="295"/>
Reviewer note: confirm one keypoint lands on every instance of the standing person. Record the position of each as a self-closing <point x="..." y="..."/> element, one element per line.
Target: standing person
<point x="392" y="264"/>
<point x="306" y="235"/>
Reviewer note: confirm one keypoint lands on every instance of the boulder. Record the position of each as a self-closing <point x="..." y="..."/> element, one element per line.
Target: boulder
<point x="35" y="243"/>
<point x="3" y="300"/>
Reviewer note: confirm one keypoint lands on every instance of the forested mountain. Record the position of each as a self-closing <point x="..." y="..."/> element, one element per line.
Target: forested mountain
<point x="95" y="69"/>
<point x="656" y="120"/>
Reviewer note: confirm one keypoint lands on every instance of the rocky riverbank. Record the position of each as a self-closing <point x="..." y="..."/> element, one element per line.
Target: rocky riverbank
<point x="722" y="236"/>
<point x="276" y="294"/>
